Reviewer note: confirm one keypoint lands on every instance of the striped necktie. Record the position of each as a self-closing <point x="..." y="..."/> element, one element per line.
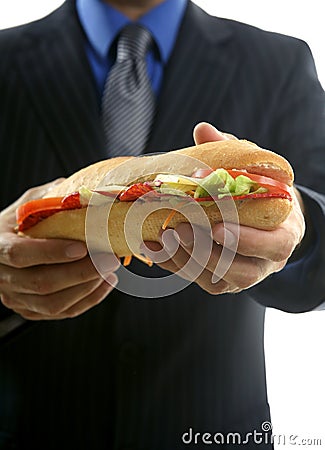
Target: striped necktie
<point x="128" y="101"/>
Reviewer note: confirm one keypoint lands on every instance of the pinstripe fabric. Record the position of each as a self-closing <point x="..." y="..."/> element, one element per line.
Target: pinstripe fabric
<point x="66" y="140"/>
<point x="128" y="100"/>
<point x="136" y="373"/>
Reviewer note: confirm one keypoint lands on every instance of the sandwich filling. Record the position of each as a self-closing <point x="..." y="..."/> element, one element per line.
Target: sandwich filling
<point x="205" y="186"/>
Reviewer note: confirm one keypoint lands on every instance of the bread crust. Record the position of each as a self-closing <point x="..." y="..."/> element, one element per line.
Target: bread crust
<point x="229" y="154"/>
<point x="264" y="213"/>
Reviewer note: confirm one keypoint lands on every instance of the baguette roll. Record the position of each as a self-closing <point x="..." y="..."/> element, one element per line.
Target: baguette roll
<point x="262" y="213"/>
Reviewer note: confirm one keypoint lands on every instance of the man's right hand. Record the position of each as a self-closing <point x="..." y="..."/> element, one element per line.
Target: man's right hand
<point x="48" y="279"/>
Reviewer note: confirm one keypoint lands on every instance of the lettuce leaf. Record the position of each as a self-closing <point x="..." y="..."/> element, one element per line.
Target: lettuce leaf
<point x="221" y="184"/>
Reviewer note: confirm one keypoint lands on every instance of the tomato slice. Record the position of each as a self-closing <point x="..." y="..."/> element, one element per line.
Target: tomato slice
<point x="32" y="212"/>
<point x="269" y="183"/>
<point x="260" y="179"/>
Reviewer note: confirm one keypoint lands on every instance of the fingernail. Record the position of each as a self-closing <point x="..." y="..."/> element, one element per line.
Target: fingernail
<point x="77" y="250"/>
<point x="145" y="249"/>
<point x="185" y="234"/>
<point x="170" y="240"/>
<point x="200" y="124"/>
<point x="106" y="262"/>
<point x="111" y="279"/>
<point x="225" y="237"/>
<point x="229" y="239"/>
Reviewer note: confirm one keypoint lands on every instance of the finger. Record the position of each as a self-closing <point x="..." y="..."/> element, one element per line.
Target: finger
<point x="151" y="249"/>
<point x="55" y="305"/>
<point x="235" y="269"/>
<point x="204" y="279"/>
<point x="48" y="279"/>
<point x="17" y="251"/>
<point x="226" y="274"/>
<point x="167" y="262"/>
<point x="196" y="240"/>
<point x="244" y="272"/>
<point x="186" y="267"/>
<point x="205" y="132"/>
<point x="163" y="251"/>
<point x="93" y="299"/>
<point x="85" y="304"/>
<point x="189" y="267"/>
<point x="51" y="304"/>
<point x="275" y="245"/>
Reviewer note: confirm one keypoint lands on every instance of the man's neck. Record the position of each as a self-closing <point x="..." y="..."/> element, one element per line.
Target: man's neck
<point x="134" y="9"/>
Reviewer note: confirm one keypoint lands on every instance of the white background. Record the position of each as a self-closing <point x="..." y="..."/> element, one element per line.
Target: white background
<point x="294" y="343"/>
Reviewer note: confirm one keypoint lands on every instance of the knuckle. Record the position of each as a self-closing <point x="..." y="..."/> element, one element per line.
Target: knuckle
<point x="279" y="266"/>
<point x="42" y="285"/>
<point x="13" y="255"/>
<point x="46" y="279"/>
<point x="4" y="280"/>
<point x="31" y="193"/>
<point x="84" y="271"/>
<point x="251" y="276"/>
<point x="53" y="309"/>
<point x="283" y="252"/>
<point x="215" y="288"/>
<point x="212" y="290"/>
<point x="72" y="314"/>
<point x="28" y="315"/>
<point x="85" y="274"/>
<point x="46" y="306"/>
<point x="6" y="301"/>
<point x="291" y="237"/>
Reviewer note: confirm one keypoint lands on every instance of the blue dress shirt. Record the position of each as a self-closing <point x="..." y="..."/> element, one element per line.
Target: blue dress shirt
<point x="102" y="23"/>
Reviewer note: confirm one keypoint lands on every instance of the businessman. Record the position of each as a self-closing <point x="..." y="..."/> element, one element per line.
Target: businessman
<point x="140" y="373"/>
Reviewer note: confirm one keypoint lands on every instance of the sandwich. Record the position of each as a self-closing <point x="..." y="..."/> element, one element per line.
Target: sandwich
<point x="214" y="177"/>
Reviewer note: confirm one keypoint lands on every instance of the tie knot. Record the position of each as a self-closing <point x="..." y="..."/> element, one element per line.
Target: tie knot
<point x="134" y="42"/>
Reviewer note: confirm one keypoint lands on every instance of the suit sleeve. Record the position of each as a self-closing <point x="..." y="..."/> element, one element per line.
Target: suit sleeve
<point x="298" y="129"/>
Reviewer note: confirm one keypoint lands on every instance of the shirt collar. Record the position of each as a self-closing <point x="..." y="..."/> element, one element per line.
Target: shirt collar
<point x="101" y="23"/>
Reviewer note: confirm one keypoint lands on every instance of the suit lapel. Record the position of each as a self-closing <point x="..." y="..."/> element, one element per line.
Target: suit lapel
<point x="200" y="69"/>
<point x="64" y="99"/>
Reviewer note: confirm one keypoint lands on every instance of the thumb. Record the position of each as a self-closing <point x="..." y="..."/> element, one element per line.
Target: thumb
<point x="205" y="132"/>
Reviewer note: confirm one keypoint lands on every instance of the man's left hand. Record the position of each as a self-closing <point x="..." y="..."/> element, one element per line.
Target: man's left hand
<point x="259" y="253"/>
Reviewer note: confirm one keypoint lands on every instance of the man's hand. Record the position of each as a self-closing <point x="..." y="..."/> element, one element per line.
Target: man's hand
<point x="47" y="279"/>
<point x="259" y="253"/>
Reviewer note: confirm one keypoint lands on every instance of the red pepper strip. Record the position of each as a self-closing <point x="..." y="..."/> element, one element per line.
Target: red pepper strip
<point x="34" y="211"/>
<point x="134" y="192"/>
<point x="71" y="201"/>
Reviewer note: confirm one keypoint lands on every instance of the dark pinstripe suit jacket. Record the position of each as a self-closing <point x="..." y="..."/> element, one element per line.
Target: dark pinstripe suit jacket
<point x="131" y="373"/>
